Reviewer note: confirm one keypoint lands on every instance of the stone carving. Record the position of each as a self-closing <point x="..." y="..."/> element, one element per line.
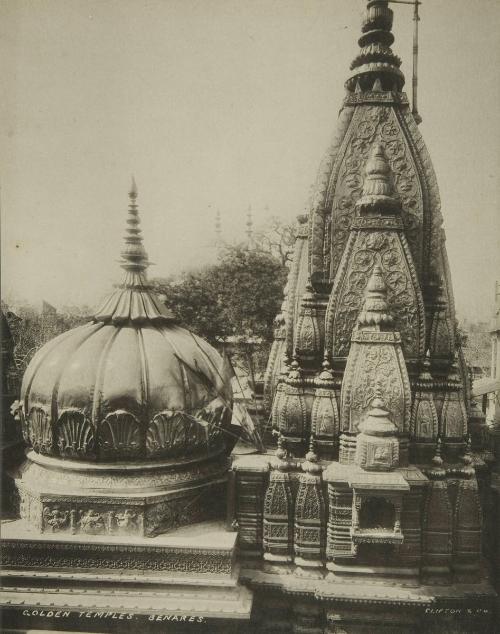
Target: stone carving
<point x="75" y="436"/>
<point x="309" y="515"/>
<point x="310" y="329"/>
<point x="33" y="555"/>
<point x="40" y="431"/>
<point x="293" y="413"/>
<point x="372" y="124"/>
<point x="364" y="251"/>
<point x="375" y="365"/>
<point x="454" y="414"/>
<point x="55" y="518"/>
<point x="120" y="436"/>
<point x="441" y="339"/>
<point x="377" y="448"/>
<point x="127" y="520"/>
<point x="467" y="521"/>
<point x="278" y="510"/>
<point x="250" y="493"/>
<point x="172" y="433"/>
<point x="424" y="417"/>
<point x="324" y="414"/>
<point x="437" y="525"/>
<point x="92" y="522"/>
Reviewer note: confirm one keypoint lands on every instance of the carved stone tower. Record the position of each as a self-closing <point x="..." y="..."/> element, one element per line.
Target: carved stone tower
<point x="367" y="371"/>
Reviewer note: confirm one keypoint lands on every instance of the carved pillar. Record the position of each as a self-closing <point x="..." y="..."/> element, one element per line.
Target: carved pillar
<point x="279" y="395"/>
<point x="308" y="618"/>
<point x="272" y="374"/>
<point x="467" y="522"/>
<point x="251" y="480"/>
<point x="410" y="551"/>
<point x="453" y="424"/>
<point x="325" y="415"/>
<point x="292" y="413"/>
<point x="340" y="509"/>
<point x="438" y="526"/>
<point x="309" y="337"/>
<point x="278" y="511"/>
<point x="310" y="518"/>
<point x="442" y="334"/>
<point x="424" y="427"/>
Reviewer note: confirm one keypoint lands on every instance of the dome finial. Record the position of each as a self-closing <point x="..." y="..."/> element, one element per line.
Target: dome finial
<point x="133" y="188"/>
<point x="134" y="257"/>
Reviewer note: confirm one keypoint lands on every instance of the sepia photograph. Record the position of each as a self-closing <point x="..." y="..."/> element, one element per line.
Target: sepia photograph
<point x="250" y="316"/>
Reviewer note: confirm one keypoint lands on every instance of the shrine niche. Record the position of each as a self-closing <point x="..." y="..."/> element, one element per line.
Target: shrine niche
<point x="377" y="513"/>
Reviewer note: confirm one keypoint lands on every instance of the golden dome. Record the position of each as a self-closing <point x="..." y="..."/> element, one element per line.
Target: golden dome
<point x="131" y="384"/>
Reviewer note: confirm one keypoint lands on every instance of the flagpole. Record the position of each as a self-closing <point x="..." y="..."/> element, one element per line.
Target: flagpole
<point x="414" y="83"/>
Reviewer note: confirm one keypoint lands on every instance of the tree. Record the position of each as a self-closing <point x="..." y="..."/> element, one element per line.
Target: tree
<point x="277" y="238"/>
<point x="31" y="330"/>
<point x="235" y="299"/>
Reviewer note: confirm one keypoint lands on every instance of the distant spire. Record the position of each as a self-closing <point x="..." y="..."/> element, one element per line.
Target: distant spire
<point x="134" y="257"/>
<point x="249" y="224"/>
<point x="218" y="227"/>
<point x="375" y="312"/>
<point x="378" y="187"/>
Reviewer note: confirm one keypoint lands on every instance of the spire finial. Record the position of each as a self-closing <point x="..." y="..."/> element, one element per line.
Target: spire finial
<point x="133" y="188"/>
<point x="375" y="312"/>
<point x="437" y="460"/>
<point x="468" y="470"/>
<point x="134" y="256"/>
<point x="376" y="61"/>
<point x="311" y="463"/>
<point x="134" y="302"/>
<point x="378" y="188"/>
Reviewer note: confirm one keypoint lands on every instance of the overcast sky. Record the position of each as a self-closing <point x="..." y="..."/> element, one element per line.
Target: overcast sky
<point x="218" y="104"/>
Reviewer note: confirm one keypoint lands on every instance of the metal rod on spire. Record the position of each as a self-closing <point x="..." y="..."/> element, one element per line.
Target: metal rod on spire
<point x="416" y="20"/>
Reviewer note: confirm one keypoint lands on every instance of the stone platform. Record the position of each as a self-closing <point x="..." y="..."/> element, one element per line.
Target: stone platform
<point x="133" y="498"/>
<point x="101" y="583"/>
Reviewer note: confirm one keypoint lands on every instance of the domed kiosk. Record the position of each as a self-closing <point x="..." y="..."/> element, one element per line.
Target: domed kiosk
<point x="126" y="417"/>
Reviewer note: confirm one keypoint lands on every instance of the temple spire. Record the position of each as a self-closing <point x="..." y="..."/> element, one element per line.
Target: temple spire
<point x="134" y="257"/>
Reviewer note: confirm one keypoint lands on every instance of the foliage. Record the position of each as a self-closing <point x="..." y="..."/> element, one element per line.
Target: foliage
<point x="235" y="299"/>
<point x="31" y="330"/>
<point x="238" y="296"/>
<point x="277" y="238"/>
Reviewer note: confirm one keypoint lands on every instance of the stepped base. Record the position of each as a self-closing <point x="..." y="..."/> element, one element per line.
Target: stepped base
<point x="105" y="583"/>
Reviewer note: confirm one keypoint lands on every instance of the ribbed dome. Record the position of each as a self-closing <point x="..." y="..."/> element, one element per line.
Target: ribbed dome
<point x="131" y="384"/>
